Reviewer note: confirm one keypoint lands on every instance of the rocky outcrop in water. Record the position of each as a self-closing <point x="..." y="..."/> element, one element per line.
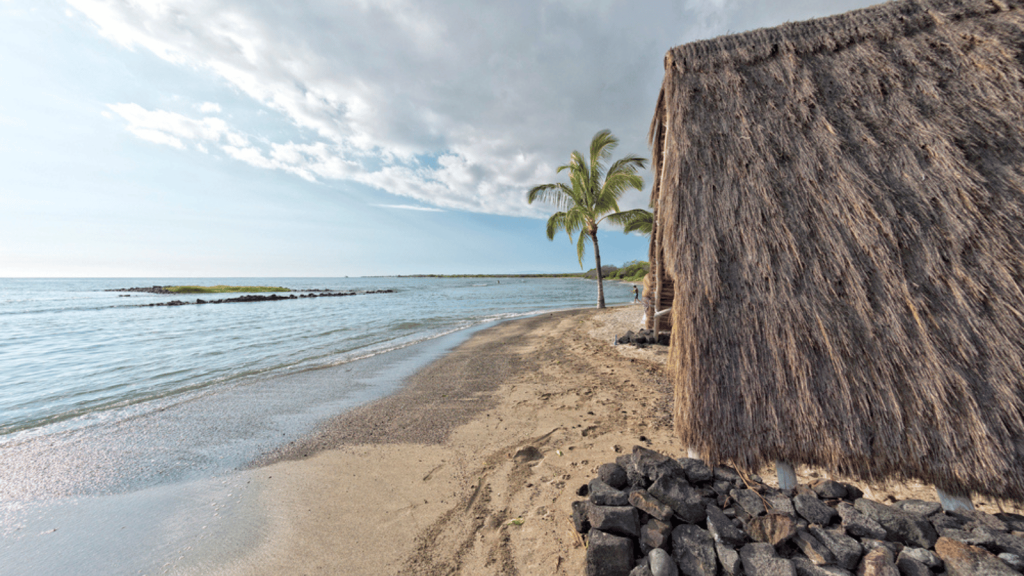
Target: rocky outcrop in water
<point x="143" y="289"/>
<point x="647" y="514"/>
<point x="266" y="298"/>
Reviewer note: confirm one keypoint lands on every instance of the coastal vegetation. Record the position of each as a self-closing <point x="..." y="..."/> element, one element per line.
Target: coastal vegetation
<point x="562" y="275"/>
<point x="222" y="289"/>
<point x="591" y="196"/>
<point x="631" y="271"/>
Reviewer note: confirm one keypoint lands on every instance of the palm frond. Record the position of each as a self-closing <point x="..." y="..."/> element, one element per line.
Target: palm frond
<point x="558" y="194"/>
<point x="617" y="184"/>
<point x="576" y="163"/>
<point x="575" y="220"/>
<point x="606" y="203"/>
<point x="643" y="227"/>
<point x="581" y="246"/>
<point x="555" y="223"/>
<point x="629" y="164"/>
<point x="601" y="148"/>
<point x="540" y="191"/>
<point x="638" y="220"/>
<point x="581" y="191"/>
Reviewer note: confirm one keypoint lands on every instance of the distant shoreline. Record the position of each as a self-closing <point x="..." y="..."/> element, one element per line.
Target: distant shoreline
<point x="571" y="275"/>
<point x="581" y="276"/>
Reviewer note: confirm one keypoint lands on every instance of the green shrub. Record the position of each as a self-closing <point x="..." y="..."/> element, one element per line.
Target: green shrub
<point x="607" y="271"/>
<point x="633" y="271"/>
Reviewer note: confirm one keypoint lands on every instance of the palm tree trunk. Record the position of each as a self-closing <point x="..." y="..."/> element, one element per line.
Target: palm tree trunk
<point x="600" y="282"/>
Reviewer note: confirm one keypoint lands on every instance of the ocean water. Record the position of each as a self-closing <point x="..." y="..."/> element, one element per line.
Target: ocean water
<point x="70" y="351"/>
<point x="74" y="354"/>
<point x="121" y="424"/>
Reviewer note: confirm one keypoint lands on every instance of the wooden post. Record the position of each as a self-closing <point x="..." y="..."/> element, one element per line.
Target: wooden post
<point x="657" y="296"/>
<point x="952" y="502"/>
<point x="787" y="475"/>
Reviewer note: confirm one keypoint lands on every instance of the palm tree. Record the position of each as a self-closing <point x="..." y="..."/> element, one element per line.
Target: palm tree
<point x="591" y="196"/>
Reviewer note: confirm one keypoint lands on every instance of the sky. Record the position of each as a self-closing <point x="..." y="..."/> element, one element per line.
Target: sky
<point x="324" y="138"/>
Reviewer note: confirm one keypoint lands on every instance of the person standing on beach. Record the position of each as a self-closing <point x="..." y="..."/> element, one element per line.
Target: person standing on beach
<point x="636" y="294"/>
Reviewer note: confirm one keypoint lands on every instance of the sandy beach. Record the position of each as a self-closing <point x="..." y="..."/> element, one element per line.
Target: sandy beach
<point x="473" y="466"/>
<point x="439" y="478"/>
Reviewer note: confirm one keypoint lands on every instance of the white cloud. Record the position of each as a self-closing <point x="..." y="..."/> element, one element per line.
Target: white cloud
<point x="249" y="156"/>
<point x="458" y="107"/>
<point x="174" y="129"/>
<point x="158" y="137"/>
<point x="409" y="207"/>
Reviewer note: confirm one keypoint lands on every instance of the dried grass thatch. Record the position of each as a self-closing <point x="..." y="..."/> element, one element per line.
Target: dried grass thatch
<point x="840" y="202"/>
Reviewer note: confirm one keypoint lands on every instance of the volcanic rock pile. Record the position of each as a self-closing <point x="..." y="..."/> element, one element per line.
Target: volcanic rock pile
<point x="650" y="515"/>
<point x="643" y="338"/>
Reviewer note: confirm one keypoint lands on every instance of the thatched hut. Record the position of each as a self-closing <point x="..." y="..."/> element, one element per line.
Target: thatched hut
<point x="841" y="205"/>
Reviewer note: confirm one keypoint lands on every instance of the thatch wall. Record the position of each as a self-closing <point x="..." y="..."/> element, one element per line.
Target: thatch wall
<point x="841" y="203"/>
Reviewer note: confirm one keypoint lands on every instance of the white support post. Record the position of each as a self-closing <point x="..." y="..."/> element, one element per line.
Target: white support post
<point x="657" y="320"/>
<point x="656" y="300"/>
<point x="787" y="475"/>
<point x="951" y="502"/>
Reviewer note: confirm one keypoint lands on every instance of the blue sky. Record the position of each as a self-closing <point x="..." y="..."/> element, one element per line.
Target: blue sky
<point x="322" y="138"/>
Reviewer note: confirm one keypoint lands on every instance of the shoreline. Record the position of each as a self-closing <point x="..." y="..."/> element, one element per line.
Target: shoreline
<point x="502" y="428"/>
<point x="438" y="410"/>
<point x="75" y="505"/>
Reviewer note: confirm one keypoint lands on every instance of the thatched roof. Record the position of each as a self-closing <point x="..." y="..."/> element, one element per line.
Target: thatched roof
<point x="841" y="204"/>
